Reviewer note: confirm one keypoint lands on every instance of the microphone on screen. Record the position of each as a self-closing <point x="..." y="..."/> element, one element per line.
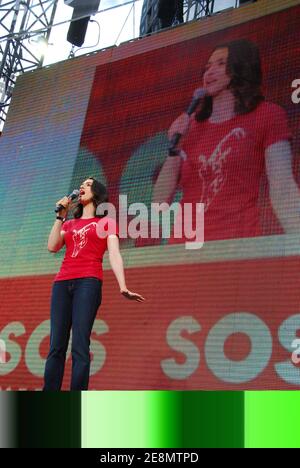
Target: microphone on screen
<point x="199" y="94"/>
<point x="72" y="197"/>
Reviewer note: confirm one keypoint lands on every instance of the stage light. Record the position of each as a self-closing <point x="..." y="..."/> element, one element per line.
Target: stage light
<point x="41" y="44"/>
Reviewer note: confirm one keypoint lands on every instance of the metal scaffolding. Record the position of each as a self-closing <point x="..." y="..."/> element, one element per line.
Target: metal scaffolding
<point x="194" y="9"/>
<point x="21" y="23"/>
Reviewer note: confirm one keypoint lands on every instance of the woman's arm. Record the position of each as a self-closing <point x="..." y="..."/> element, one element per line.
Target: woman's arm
<point x="167" y="180"/>
<point x="168" y="177"/>
<point x="284" y="192"/>
<point x="56" y="236"/>
<point x="116" y="262"/>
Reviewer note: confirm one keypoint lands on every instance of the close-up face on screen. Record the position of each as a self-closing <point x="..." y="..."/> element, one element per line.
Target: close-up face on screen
<point x="180" y="150"/>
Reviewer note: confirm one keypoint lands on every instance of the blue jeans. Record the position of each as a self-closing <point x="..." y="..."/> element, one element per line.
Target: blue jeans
<point x="74" y="305"/>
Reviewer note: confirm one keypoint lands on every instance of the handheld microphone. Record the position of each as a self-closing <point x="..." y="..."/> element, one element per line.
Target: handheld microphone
<point x="72" y="196"/>
<point x="199" y="94"/>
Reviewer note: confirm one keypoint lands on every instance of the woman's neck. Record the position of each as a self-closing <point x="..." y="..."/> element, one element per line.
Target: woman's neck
<point x="88" y="211"/>
<point x="223" y="107"/>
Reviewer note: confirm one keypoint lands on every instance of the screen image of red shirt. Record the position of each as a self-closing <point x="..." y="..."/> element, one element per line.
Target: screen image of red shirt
<point x="223" y="166"/>
<point x="86" y="243"/>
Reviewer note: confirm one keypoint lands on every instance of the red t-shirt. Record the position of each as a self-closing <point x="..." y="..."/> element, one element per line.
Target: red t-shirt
<point x="223" y="168"/>
<point x="86" y="243"/>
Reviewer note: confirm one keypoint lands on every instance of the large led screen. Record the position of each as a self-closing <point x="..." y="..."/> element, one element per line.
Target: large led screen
<point x="222" y="315"/>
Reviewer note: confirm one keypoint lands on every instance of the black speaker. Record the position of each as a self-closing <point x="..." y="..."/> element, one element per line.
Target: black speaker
<point x="77" y="31"/>
<point x="78" y="27"/>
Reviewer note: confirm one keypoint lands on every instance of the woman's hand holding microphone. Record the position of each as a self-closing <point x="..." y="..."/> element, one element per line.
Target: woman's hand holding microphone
<point x="177" y="130"/>
<point x="180" y="125"/>
<point x="62" y="207"/>
<point x="56" y="240"/>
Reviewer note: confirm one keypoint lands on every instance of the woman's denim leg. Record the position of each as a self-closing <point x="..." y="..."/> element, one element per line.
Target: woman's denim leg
<point x="61" y="320"/>
<point x="86" y="301"/>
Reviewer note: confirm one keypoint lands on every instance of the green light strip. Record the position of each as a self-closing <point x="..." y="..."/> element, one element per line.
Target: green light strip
<point x="272" y="419"/>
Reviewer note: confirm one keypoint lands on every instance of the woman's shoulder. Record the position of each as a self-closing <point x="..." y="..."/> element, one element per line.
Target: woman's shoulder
<point x="270" y="109"/>
<point x="272" y="122"/>
<point x="66" y="225"/>
<point x="71" y="223"/>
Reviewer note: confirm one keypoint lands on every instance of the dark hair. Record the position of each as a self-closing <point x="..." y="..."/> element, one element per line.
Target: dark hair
<point x="244" y="69"/>
<point x="100" y="195"/>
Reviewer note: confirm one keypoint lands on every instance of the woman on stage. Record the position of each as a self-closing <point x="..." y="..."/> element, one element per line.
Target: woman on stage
<point x="234" y="139"/>
<point x="77" y="288"/>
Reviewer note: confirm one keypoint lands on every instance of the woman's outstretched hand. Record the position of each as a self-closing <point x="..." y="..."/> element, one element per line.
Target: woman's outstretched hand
<point x="132" y="296"/>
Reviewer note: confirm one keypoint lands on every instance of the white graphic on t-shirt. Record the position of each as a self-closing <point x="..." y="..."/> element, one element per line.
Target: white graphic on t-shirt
<point x="80" y="238"/>
<point x="211" y="170"/>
